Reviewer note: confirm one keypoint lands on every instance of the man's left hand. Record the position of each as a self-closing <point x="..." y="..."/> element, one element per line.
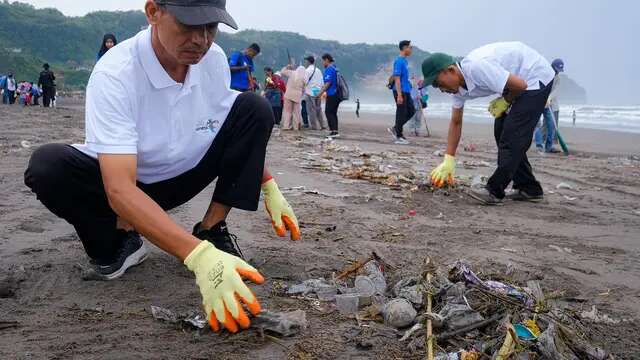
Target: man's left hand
<point x="281" y="213"/>
<point x="499" y="107"/>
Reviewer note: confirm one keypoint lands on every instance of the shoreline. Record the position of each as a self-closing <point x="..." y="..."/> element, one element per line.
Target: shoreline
<point x="582" y="141"/>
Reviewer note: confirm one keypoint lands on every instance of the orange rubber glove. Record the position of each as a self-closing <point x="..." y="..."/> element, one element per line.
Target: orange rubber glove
<point x="220" y="278"/>
<point x="281" y="213"/>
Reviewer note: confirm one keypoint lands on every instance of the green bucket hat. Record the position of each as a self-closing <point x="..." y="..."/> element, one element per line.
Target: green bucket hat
<point x="435" y="63"/>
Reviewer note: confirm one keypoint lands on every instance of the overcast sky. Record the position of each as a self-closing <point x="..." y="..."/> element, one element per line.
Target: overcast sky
<point x="594" y="37"/>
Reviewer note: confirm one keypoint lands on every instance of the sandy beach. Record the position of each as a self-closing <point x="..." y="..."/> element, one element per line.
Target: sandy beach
<point x="581" y="243"/>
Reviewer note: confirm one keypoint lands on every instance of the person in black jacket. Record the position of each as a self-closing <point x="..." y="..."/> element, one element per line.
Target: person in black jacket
<point x="47" y="84"/>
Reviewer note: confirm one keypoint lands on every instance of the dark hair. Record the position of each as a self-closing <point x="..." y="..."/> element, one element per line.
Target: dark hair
<point x="403" y="44"/>
<point x="311" y="59"/>
<point x="103" y="47"/>
<point x="255" y="47"/>
<point x="46" y="66"/>
<point x="327" y="57"/>
<point x="268" y="69"/>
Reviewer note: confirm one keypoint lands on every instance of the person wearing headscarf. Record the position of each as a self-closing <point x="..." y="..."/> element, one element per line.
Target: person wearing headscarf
<point x="108" y="42"/>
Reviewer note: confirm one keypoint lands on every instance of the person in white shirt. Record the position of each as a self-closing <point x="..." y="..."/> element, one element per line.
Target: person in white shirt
<point x="161" y="125"/>
<point x="523" y="79"/>
<point x="314" y="82"/>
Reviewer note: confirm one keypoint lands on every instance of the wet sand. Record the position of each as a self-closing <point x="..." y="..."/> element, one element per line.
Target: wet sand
<point x="583" y="242"/>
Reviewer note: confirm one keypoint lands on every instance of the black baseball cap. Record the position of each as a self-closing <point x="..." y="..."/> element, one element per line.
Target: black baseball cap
<point x="199" y="12"/>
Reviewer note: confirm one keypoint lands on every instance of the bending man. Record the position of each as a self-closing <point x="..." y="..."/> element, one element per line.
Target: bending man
<point x="524" y="80"/>
<point x="161" y="125"/>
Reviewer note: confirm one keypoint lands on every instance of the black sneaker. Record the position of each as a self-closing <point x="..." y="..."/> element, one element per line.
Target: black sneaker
<point x="220" y="238"/>
<point x="133" y="252"/>
<point x="484" y="196"/>
<point x="521" y="195"/>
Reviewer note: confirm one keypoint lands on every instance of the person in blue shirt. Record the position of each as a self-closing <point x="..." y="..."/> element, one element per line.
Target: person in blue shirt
<point x="241" y="65"/>
<point x="331" y="89"/>
<point x="405" y="108"/>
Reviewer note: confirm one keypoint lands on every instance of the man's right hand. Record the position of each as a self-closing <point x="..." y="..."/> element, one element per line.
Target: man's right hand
<point x="400" y="99"/>
<point x="220" y="278"/>
<point x="444" y="173"/>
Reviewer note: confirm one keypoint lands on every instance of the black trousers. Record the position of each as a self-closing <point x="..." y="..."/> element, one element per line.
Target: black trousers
<point x="514" y="134"/>
<point x="48" y="94"/>
<point x="69" y="183"/>
<point x="331" y="111"/>
<point x="277" y="113"/>
<point x="404" y="112"/>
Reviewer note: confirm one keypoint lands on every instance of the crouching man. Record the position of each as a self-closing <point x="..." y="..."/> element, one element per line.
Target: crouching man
<point x="524" y="80"/>
<point x="161" y="125"/>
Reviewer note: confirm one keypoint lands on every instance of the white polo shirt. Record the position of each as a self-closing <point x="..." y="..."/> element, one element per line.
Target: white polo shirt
<point x="134" y="107"/>
<point x="487" y="69"/>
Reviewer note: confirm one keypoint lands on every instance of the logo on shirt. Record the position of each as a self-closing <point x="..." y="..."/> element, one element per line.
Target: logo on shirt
<point x="208" y="125"/>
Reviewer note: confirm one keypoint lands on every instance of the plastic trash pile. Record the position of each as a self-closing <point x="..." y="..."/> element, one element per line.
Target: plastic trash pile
<point x="472" y="318"/>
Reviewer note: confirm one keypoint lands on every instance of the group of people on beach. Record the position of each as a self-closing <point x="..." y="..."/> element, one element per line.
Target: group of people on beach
<point x="28" y="93"/>
<point x="295" y="93"/>
<point x="167" y="114"/>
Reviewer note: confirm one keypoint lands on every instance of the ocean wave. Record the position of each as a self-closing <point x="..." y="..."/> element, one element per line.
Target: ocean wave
<point x="614" y="118"/>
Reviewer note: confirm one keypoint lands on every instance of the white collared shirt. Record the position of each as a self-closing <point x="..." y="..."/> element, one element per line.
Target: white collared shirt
<point x="133" y="106"/>
<point x="487" y="69"/>
<point x="313" y="86"/>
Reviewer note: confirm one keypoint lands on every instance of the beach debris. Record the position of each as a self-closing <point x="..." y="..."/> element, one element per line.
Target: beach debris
<point x="409" y="288"/>
<point x="457" y="316"/>
<point x="412" y="213"/>
<point x="470" y="147"/>
<point x="373" y="270"/>
<point x="570" y="198"/>
<point x="438" y="153"/>
<point x="565" y="186"/>
<point x="595" y="316"/>
<point x="364" y="285"/>
<point x="325" y="290"/>
<point x="524" y="333"/>
<point x="460" y="355"/>
<point x="25" y="144"/>
<point x="193" y="319"/>
<point x="399" y="313"/>
<point x="559" y="249"/>
<point x="348" y="304"/>
<point x="359" y="264"/>
<point x="475" y="164"/>
<point x="462" y="271"/>
<point x="510" y="341"/>
<point x="284" y="324"/>
<point x="551" y="345"/>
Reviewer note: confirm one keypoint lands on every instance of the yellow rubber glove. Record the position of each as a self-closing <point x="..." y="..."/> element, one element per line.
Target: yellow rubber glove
<point x="444" y="173"/>
<point x="281" y="213"/>
<point x="498" y="107"/>
<point x="220" y="278"/>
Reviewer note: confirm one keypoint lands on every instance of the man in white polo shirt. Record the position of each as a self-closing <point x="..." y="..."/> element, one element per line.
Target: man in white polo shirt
<point x="524" y="80"/>
<point x="161" y="125"/>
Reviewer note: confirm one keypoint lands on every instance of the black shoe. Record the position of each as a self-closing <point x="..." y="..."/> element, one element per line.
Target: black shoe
<point x="484" y="196"/>
<point x="521" y="195"/>
<point x="220" y="238"/>
<point x="133" y="252"/>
